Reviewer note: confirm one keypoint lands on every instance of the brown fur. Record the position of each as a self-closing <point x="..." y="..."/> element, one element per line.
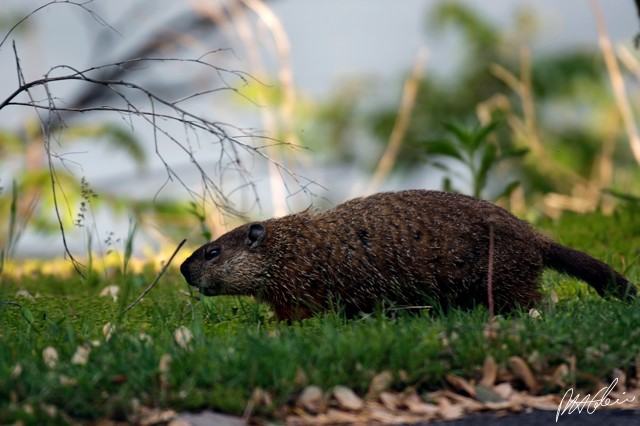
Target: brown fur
<point x="408" y="248"/>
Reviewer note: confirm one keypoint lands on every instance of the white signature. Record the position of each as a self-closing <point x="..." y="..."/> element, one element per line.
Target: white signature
<point x="588" y="402"/>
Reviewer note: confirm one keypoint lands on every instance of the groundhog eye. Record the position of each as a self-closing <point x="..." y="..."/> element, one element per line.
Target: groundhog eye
<point x="212" y="253"/>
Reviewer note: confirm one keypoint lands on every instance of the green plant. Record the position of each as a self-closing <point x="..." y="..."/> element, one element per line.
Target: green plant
<point x="205" y="229"/>
<point x="17" y="221"/>
<point x="471" y="149"/>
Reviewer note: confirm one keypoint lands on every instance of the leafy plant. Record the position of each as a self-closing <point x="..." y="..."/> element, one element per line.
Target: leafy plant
<point x="471" y="149"/>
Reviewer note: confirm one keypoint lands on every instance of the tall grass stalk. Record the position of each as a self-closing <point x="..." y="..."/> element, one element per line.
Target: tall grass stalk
<point x="128" y="246"/>
<point x="17" y="223"/>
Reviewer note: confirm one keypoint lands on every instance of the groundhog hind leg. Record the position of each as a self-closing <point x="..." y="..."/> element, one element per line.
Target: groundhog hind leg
<point x="511" y="295"/>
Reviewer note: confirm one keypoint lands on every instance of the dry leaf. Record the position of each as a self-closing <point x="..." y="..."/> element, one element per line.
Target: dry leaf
<point x="390" y="400"/>
<point x="467" y="404"/>
<point x="534" y="313"/>
<point x="461" y="384"/>
<point x="110" y="291"/>
<point x="155" y="416"/>
<point x="261" y="398"/>
<point x="107" y="331"/>
<point x="334" y="416"/>
<point x="50" y="356"/>
<point x="559" y="374"/>
<point x="381" y="415"/>
<point x="16" y="371"/>
<point x="51" y="410"/>
<point x="621" y="385"/>
<point x="183" y="336"/>
<point x="312" y="399"/>
<point x="416" y="405"/>
<point x="25" y="294"/>
<point x="449" y="411"/>
<point x="164" y="367"/>
<point x="489" y="372"/>
<point x="379" y="383"/>
<point x="505" y="390"/>
<point x="522" y="371"/>
<point x="347" y="399"/>
<point x="67" y="381"/>
<point x="144" y="337"/>
<point x="300" y="378"/>
<point x="81" y="356"/>
<point x="180" y="422"/>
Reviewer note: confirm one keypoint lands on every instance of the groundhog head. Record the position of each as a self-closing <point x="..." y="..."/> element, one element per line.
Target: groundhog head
<point x="232" y="264"/>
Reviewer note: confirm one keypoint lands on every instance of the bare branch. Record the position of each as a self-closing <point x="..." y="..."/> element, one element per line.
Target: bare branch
<point x="81" y="5"/>
<point x="155" y="281"/>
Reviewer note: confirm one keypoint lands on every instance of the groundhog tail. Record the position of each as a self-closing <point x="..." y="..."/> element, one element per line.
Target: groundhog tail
<point x="602" y="277"/>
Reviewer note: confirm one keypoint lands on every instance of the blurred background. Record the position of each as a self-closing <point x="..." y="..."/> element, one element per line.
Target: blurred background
<point x="138" y="124"/>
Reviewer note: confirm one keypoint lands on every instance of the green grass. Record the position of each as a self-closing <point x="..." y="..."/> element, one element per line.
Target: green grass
<point x="236" y="347"/>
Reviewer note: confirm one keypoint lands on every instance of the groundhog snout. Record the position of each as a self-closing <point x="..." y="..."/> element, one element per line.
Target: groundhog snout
<point x="186" y="271"/>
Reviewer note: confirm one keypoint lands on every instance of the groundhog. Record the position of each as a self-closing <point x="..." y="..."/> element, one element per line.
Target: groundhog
<point x="406" y="248"/>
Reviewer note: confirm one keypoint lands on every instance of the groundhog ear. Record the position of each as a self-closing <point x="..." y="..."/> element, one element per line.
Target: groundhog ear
<point x="255" y="235"/>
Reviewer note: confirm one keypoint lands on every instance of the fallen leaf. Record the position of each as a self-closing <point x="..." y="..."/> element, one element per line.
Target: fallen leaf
<point x="312" y="399"/>
<point x="390" y="400"/>
<point x="347" y="399"/>
<point x="25" y="294"/>
<point x="110" y="291"/>
<point x="67" y="381"/>
<point x="505" y="390"/>
<point x="183" y="336"/>
<point x="334" y="416"/>
<point x="489" y="372"/>
<point x="145" y="338"/>
<point x="164" y="367"/>
<point x="16" y="371"/>
<point x="50" y="356"/>
<point x="416" y="405"/>
<point x="461" y="384"/>
<point x="300" y="378"/>
<point x="379" y="383"/>
<point x="449" y="411"/>
<point x="107" y="331"/>
<point x="164" y="364"/>
<point x="155" y="416"/>
<point x="621" y="385"/>
<point x="559" y="374"/>
<point x="81" y="355"/>
<point x="522" y="371"/>
<point x="261" y="398"/>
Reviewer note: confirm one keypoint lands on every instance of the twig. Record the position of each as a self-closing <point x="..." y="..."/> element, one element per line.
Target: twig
<point x="617" y="82"/>
<point x="401" y="124"/>
<point x="155" y="281"/>
<point x="46" y="134"/>
<point x="491" y="330"/>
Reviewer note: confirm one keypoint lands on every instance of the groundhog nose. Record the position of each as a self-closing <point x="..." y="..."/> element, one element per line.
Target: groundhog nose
<point x="184" y="269"/>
